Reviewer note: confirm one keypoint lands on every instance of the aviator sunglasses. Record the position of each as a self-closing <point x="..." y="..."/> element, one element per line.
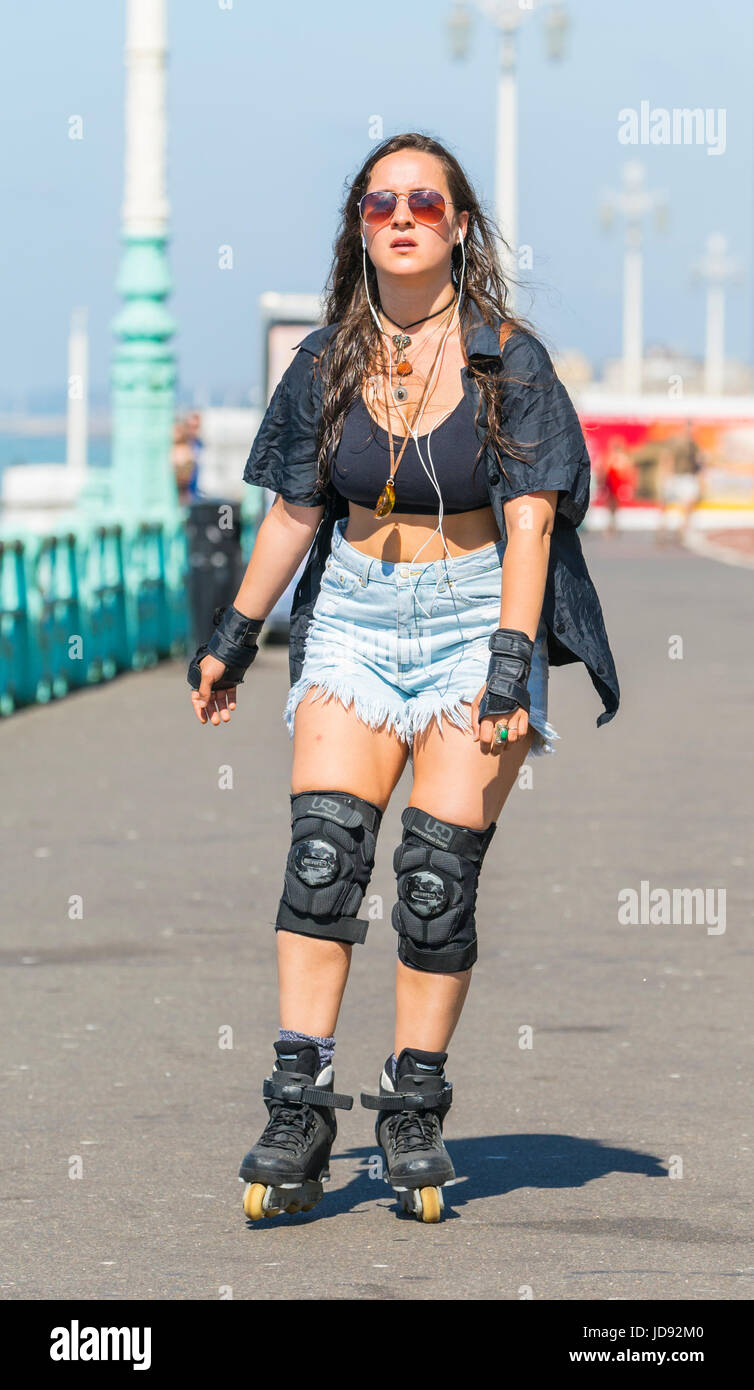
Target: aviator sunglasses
<point x="425" y="205"/>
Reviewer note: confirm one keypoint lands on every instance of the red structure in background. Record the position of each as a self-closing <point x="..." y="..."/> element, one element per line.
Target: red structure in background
<point x="648" y="458"/>
<point x="613" y="446"/>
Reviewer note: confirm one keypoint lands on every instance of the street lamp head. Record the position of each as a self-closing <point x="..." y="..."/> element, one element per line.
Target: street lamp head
<point x="633" y="174"/>
<point x="662" y="213"/>
<point x="717" y="244"/>
<point x="459" y="28"/>
<point x="557" y="25"/>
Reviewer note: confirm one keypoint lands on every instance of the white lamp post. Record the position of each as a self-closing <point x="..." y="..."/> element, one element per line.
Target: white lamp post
<point x="506" y="15"/>
<point x="78" y="401"/>
<point x="716" y="267"/>
<point x="633" y="200"/>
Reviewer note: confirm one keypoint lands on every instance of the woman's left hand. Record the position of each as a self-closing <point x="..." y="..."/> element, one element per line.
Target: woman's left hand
<point x="516" y="723"/>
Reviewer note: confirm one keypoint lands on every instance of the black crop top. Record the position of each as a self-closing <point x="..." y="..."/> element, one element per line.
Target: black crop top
<point x="362" y="464"/>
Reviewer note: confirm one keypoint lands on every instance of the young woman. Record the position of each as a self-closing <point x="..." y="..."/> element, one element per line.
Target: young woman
<point x="427" y="456"/>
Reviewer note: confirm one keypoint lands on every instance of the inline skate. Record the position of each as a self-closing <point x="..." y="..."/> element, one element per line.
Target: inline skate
<point x="286" y="1168"/>
<point x="409" y="1130"/>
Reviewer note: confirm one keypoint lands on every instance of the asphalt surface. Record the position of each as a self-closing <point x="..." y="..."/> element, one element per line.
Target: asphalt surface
<point x="611" y="1160"/>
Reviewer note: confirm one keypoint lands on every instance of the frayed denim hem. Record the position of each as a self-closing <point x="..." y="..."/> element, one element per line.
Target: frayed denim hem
<point x="542" y="742"/>
<point x="373" y="712"/>
<point x="414" y="717"/>
<point x="422" y="709"/>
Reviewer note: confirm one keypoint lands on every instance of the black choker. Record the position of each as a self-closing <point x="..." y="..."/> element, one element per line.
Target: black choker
<point x="405" y="328"/>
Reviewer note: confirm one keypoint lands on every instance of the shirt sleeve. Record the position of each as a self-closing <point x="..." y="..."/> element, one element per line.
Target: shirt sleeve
<point x="539" y="417"/>
<point x="284" y="453"/>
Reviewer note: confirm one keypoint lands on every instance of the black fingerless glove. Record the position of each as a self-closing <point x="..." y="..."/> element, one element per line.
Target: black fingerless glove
<point x="510" y="665"/>
<point x="233" y="642"/>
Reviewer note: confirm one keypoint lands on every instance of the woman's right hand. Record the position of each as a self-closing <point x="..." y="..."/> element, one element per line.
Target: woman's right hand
<point x="212" y="706"/>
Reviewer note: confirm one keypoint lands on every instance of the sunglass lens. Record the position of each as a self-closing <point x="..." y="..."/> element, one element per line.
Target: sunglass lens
<point x="377" y="208"/>
<point x="427" y="206"/>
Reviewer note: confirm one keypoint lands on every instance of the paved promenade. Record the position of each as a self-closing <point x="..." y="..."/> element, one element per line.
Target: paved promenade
<point x="611" y="1160"/>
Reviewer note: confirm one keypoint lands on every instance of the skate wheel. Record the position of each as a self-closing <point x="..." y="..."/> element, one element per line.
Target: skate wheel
<point x="261" y="1200"/>
<point x="431" y="1204"/>
<point x="253" y="1199"/>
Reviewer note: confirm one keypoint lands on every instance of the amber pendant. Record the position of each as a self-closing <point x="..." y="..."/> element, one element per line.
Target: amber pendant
<point x="386" y="500"/>
<point x="403" y="368"/>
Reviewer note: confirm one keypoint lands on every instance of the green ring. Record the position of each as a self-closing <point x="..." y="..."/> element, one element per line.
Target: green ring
<point x="501" y="735"/>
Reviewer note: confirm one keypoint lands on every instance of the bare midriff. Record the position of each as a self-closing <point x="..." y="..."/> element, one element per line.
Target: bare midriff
<point x="397" y="537"/>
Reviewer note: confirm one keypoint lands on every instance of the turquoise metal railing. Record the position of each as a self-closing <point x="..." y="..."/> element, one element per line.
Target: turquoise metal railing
<point x="15" y="628"/>
<point x="77" y="608"/>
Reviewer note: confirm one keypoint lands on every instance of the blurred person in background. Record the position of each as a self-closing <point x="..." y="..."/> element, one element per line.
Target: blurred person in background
<point x="679" y="485"/>
<point x="193" y="434"/>
<point x="184" y="457"/>
<point x="620" y="481"/>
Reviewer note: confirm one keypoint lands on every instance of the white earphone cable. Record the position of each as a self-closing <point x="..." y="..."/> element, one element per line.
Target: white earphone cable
<point x="413" y="430"/>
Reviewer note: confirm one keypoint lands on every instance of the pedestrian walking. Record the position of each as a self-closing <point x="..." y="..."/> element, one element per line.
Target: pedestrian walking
<point x="620" y="483"/>
<point x="184" y="459"/>
<point x="680" y="475"/>
<point x="428" y="459"/>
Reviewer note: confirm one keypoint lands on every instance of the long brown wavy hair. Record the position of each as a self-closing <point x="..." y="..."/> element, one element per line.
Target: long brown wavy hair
<point x="347" y="358"/>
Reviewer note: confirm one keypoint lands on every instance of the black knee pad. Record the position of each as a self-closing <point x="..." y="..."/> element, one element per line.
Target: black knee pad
<point x="329" y="865"/>
<point x="437" y="865"/>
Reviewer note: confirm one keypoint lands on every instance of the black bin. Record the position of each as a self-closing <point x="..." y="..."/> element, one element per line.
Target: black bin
<point x="215" y="561"/>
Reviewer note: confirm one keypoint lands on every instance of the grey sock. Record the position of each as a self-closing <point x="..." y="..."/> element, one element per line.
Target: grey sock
<point x="325" y="1046"/>
<point x="393" y="1065"/>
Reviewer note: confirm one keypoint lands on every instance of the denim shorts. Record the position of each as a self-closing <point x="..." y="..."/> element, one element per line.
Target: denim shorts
<point x="406" y="644"/>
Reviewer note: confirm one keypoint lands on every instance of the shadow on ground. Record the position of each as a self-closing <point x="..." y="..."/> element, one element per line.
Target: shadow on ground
<point x="499" y="1164"/>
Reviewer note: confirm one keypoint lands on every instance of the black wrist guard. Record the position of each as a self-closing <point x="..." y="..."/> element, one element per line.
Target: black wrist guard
<point x="234" y="642"/>
<point x="510" y="665"/>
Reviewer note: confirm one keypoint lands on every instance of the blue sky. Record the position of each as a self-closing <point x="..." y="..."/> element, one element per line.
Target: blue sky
<point x="269" y="103"/>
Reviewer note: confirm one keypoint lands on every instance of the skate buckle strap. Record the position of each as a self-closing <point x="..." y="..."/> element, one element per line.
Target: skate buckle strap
<point x="409" y="1100"/>
<point x="295" y="1094"/>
